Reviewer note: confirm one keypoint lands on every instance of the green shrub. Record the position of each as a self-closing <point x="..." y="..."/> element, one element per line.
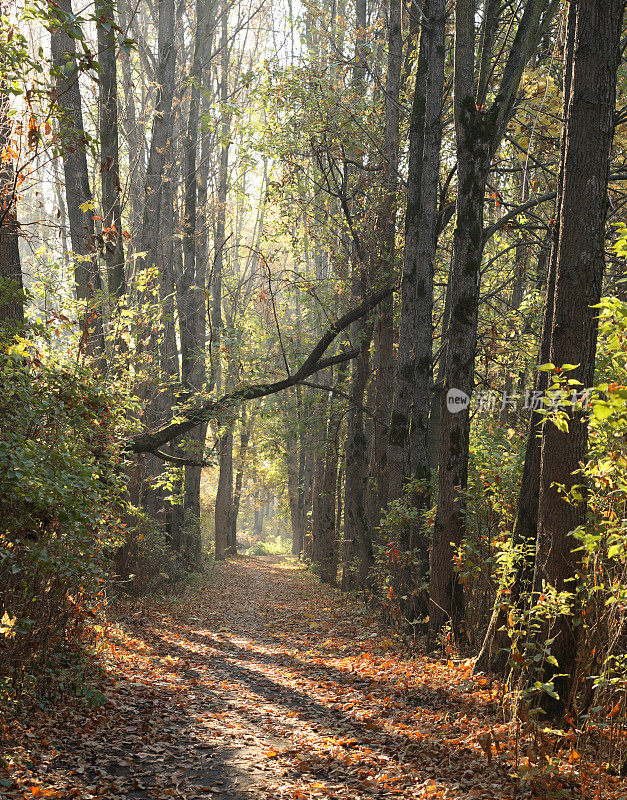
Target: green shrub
<point x="60" y="483"/>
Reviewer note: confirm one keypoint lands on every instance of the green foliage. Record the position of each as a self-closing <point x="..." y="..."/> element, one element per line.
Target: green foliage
<point x="597" y="601"/>
<point x="61" y="495"/>
<point x="400" y="568"/>
<point x="486" y="558"/>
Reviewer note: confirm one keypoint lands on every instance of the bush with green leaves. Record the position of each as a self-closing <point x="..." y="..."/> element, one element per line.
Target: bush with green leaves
<point x="485" y="558"/>
<point x="61" y="494"/>
<point x="598" y="600"/>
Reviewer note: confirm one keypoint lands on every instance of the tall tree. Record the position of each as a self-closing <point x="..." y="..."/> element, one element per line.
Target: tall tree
<point x="479" y="130"/>
<point x="191" y="286"/>
<point x="580" y="263"/>
<point x="358" y="552"/>
<point x="385" y="269"/>
<point x="113" y="240"/>
<point x="493" y="655"/>
<point x="11" y="292"/>
<point x="66" y="31"/>
<point x="408" y="436"/>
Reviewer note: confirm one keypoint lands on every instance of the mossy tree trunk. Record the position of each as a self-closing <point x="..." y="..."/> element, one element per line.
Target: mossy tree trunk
<point x="580" y="266"/>
<point x="479" y="129"/>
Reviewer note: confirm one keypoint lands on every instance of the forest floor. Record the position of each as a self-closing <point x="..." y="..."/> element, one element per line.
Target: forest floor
<point x="258" y="682"/>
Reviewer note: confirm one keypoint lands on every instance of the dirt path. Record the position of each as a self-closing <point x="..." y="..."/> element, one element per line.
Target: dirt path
<point x="262" y="683"/>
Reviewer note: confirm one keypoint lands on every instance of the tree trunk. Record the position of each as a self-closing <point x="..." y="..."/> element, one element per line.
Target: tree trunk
<point x="328" y="545"/>
<point x="578" y="283"/>
<point x="246" y="423"/>
<point x="479" y="131"/>
<point x="191" y="288"/>
<point x="494" y="655"/>
<point x="409" y="439"/>
<point x="358" y="553"/>
<point x="224" y="495"/>
<point x="319" y="478"/>
<point x="161" y="137"/>
<point x="384" y="328"/>
<point x="78" y="194"/>
<point x="113" y="241"/>
<point x="291" y="462"/>
<point x="358" y="556"/>
<point x="398" y="457"/>
<point x="223" y="174"/>
<point x="11" y="292"/>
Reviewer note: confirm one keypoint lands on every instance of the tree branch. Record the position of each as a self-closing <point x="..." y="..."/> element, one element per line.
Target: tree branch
<point x="534" y="201"/>
<point x="149" y="442"/>
<point x="180" y="462"/>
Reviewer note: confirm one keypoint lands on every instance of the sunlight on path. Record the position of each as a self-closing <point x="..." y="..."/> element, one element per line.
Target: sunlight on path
<point x="262" y="683"/>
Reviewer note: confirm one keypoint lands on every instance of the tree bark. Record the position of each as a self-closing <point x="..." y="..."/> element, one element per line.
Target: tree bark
<point x="358" y="556"/>
<point x="384" y="328"/>
<point x="224" y="495"/>
<point x="578" y="283"/>
<point x="11" y="291"/>
<point x="223" y="175"/>
<point x="113" y="240"/>
<point x="78" y="194"/>
<point x="191" y="287"/>
<point x="479" y="131"/>
<point x="409" y="440"/>
<point x="246" y="423"/>
<point x="327" y="556"/>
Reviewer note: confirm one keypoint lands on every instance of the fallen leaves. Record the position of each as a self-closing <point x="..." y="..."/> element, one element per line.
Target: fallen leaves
<point x="262" y="683"/>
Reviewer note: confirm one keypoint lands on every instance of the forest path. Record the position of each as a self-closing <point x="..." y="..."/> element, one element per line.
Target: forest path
<point x="258" y="682"/>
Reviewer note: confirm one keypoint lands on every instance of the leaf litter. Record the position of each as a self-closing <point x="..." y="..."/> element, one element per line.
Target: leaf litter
<point x="259" y="682"/>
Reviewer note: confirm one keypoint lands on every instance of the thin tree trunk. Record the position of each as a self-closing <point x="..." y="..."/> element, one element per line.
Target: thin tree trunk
<point x="78" y="194"/>
<point x="246" y="426"/>
<point x="291" y="463"/>
<point x="223" y="174"/>
<point x="384" y="328"/>
<point x="224" y="495"/>
<point x="113" y="241"/>
<point x="358" y="552"/>
<point x="161" y="138"/>
<point x="191" y="288"/>
<point x="11" y="292"/>
<point x="328" y="551"/>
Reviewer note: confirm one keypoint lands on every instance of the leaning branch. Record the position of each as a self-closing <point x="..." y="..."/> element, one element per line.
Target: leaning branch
<point x="506" y="218"/>
<point x="532" y="203"/>
<point x="151" y="442"/>
<point x="180" y="462"/>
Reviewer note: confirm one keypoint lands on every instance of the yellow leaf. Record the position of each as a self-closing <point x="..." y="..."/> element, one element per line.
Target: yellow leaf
<point x="7" y="625"/>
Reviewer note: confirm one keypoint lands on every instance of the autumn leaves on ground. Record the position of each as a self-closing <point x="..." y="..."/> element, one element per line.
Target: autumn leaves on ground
<point x="259" y="682"/>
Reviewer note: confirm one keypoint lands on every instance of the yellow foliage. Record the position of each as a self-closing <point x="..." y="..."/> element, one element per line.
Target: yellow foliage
<point x="7" y="625"/>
